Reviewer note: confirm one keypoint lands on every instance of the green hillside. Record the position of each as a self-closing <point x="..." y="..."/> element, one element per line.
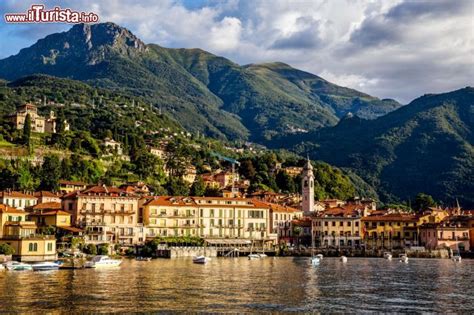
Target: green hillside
<point x="426" y="146"/>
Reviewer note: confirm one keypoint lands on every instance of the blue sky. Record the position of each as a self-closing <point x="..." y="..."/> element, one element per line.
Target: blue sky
<point x="387" y="48"/>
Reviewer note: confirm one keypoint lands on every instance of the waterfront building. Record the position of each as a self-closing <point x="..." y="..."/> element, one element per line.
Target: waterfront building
<point x="340" y="226"/>
<point x="307" y="185"/>
<point x="17" y="199"/>
<point x="280" y="220"/>
<point x="106" y="214"/>
<point x="49" y="214"/>
<point x="452" y="233"/>
<point x="22" y="235"/>
<point x="206" y="217"/>
<point x="390" y="230"/>
<point x="68" y="186"/>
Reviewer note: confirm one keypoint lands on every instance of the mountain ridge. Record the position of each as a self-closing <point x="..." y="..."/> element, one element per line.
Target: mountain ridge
<point x="205" y="92"/>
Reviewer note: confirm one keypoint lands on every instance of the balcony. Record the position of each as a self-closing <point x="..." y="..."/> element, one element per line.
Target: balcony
<point x="31" y="236"/>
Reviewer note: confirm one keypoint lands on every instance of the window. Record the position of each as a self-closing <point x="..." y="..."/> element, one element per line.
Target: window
<point x="33" y="247"/>
<point x="349" y="223"/>
<point x="341" y="223"/>
<point x="333" y="223"/>
<point x="50" y="247"/>
<point x="357" y="224"/>
<point x="326" y="223"/>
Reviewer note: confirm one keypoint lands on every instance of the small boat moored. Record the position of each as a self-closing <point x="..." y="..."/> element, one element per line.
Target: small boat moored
<point x="45" y="265"/>
<point x="343" y="259"/>
<point x="320" y="256"/>
<point x="404" y="258"/>
<point x="200" y="259"/>
<point x="456" y="258"/>
<point x="103" y="261"/>
<point x="139" y="258"/>
<point x="17" y="266"/>
<point x="253" y="256"/>
<point x="387" y="255"/>
<point x="315" y="261"/>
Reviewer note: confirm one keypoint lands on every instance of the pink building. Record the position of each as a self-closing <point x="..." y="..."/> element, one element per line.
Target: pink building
<point x="447" y="234"/>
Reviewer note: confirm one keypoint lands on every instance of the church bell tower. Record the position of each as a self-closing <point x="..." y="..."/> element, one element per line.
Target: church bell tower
<point x="308" y="188"/>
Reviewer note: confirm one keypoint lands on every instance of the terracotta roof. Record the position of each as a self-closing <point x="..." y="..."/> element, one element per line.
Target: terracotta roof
<point x="70" y="228"/>
<point x="15" y="194"/>
<point x="103" y="191"/>
<point x="344" y="211"/>
<point x="274" y="207"/>
<point x="47" y="206"/>
<point x="44" y="193"/>
<point x="391" y="217"/>
<point x="8" y="209"/>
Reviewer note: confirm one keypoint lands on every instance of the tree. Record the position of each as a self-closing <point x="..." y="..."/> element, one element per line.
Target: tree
<point x="177" y="187"/>
<point x="145" y="164"/>
<point x="90" y="249"/>
<point x="103" y="249"/>
<point x="198" y="188"/>
<point x="6" y="249"/>
<point x="50" y="172"/>
<point x="27" y="131"/>
<point x="247" y="169"/>
<point x="60" y="122"/>
<point x="423" y="202"/>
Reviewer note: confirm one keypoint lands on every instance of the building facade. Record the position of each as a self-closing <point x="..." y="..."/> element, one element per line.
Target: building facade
<point x="308" y="188"/>
<point x="106" y="214"/>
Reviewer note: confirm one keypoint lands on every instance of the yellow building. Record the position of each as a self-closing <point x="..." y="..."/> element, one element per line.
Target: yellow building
<point x="49" y="214"/>
<point x="339" y="226"/>
<point x="21" y="235"/>
<point x="206" y="217"/>
<point x="69" y="186"/>
<point x="390" y="230"/>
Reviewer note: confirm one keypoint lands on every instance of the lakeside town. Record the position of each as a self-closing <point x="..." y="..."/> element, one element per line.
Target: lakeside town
<point x="37" y="226"/>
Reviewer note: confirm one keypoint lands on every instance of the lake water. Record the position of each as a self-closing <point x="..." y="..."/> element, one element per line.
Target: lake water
<point x="240" y="285"/>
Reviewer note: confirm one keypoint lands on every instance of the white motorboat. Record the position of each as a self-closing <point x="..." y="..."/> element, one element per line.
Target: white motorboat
<point x="387" y="255"/>
<point x="45" y="265"/>
<point x="456" y="258"/>
<point x="343" y="259"/>
<point x="262" y="255"/>
<point x="17" y="266"/>
<point x="200" y="259"/>
<point x="315" y="261"/>
<point x="404" y="258"/>
<point x="103" y="261"/>
<point x="253" y="256"/>
<point x="320" y="256"/>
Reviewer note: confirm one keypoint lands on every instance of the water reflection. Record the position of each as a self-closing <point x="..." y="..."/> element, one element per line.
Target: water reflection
<point x="223" y="285"/>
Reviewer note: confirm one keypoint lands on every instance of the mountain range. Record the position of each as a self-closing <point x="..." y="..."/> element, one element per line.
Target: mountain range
<point x="425" y="146"/>
<point x="203" y="92"/>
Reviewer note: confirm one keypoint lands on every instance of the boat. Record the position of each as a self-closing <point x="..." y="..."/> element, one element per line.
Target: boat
<point x="387" y="255"/>
<point x="103" y="261"/>
<point x="315" y="259"/>
<point x="139" y="258"/>
<point x="45" y="265"/>
<point x="253" y="256"/>
<point x="343" y="259"/>
<point x="200" y="259"/>
<point x="404" y="258"/>
<point x="456" y="257"/>
<point x="17" y="266"/>
<point x="262" y="255"/>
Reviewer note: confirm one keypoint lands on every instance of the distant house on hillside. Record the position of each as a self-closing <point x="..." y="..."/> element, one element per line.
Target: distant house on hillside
<point x="38" y="123"/>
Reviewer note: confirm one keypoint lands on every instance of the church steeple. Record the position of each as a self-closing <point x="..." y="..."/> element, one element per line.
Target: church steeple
<point x="308" y="188"/>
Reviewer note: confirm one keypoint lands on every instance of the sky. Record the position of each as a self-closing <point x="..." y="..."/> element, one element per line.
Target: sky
<point x="387" y="48"/>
